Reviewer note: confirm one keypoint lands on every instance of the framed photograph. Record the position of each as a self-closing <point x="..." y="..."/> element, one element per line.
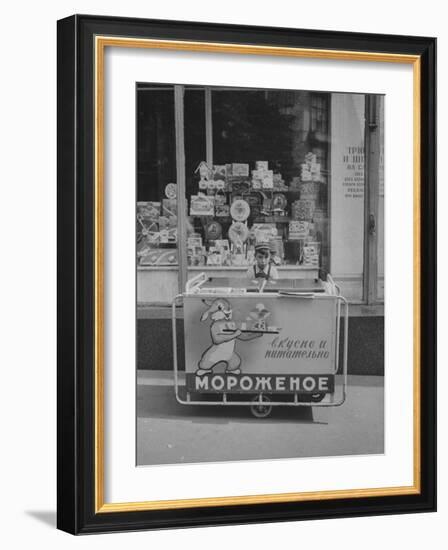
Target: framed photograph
<point x="291" y="374"/>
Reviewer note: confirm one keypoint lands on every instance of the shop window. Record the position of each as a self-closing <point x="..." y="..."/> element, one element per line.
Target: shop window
<point x="265" y="163"/>
<point x="282" y="167"/>
<point x="156" y="231"/>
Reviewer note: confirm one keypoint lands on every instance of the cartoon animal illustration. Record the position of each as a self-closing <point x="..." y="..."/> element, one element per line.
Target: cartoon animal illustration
<point x="223" y="334"/>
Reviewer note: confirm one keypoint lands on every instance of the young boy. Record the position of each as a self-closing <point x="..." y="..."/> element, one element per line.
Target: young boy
<point x="263" y="268"/>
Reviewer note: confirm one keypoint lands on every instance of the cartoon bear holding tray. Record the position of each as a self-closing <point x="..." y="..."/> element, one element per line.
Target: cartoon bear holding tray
<point x="224" y="335"/>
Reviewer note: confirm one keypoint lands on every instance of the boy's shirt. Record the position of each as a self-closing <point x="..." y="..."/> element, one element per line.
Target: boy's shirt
<point x="273" y="273"/>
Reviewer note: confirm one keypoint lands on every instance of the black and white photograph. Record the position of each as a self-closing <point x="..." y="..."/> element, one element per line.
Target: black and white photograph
<point x="259" y="273"/>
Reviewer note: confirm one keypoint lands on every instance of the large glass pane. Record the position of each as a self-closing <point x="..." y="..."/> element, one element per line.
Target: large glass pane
<point x="157" y="258"/>
<point x="268" y="182"/>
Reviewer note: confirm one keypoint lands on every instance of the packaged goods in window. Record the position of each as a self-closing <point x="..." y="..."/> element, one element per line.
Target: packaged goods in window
<point x="310" y="254"/>
<point x="315" y="169"/>
<point x="240" y="185"/>
<point x="305" y="174"/>
<point x="262" y="232"/>
<point x="168" y="236"/>
<point x="196" y="256"/>
<point x="256" y="183"/>
<point x="222" y="247"/>
<point x="310" y="170"/>
<point x="279" y="183"/>
<point x="149" y="210"/>
<point x="238" y="232"/>
<point x="220" y="198"/>
<point x="268" y="182"/>
<point x="238" y="257"/>
<point x="145" y="226"/>
<point x="205" y="175"/>
<point x="309" y="190"/>
<point x="222" y="210"/>
<point x="219" y="172"/>
<point x="298" y="230"/>
<point x="266" y="209"/>
<point x="302" y="210"/>
<point x="194" y="241"/>
<point x="147" y="243"/>
<point x="214" y="257"/>
<point x="169" y="207"/>
<point x="240" y="169"/>
<point x="262" y="165"/>
<point x="279" y="204"/>
<point x="160" y="256"/>
<point x="255" y="201"/>
<point x="163" y="223"/>
<point x="202" y="205"/>
<point x="147" y="232"/>
<point x="262" y="177"/>
<point x="222" y="244"/>
<point x="205" y="172"/>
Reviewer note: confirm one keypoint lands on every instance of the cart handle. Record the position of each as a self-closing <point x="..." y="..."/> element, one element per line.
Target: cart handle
<point x="195" y="282"/>
<point x="336" y="289"/>
<point x="301" y="295"/>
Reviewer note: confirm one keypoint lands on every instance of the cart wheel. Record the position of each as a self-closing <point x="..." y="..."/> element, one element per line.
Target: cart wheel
<point x="261" y="410"/>
<point x="317" y="397"/>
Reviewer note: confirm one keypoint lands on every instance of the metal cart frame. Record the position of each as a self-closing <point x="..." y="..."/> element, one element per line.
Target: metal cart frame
<point x="261" y="400"/>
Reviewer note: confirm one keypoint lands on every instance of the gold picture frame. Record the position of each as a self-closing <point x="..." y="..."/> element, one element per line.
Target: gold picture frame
<point x="80" y="35"/>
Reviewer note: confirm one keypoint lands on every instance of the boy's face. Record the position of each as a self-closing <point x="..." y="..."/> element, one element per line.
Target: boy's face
<point x="262" y="259"/>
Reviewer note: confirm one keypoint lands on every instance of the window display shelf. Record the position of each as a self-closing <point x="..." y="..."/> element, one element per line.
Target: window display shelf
<point x="159" y="284"/>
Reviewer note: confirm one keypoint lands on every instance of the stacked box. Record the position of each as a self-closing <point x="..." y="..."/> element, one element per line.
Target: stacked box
<point x="219" y="172"/>
<point x="298" y="230"/>
<point x="263" y="232"/>
<point x="149" y="210"/>
<point x="240" y="169"/>
<point x="262" y="178"/>
<point x="279" y="183"/>
<point x="262" y="165"/>
<point x="201" y="205"/>
<point x="222" y="210"/>
<point x="169" y="207"/>
<point x="310" y="169"/>
<point x="310" y="254"/>
<point x="309" y="190"/>
<point x="303" y="210"/>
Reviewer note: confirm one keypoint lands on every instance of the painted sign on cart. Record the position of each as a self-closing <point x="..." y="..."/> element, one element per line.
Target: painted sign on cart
<point x="255" y="383"/>
<point x="279" y="341"/>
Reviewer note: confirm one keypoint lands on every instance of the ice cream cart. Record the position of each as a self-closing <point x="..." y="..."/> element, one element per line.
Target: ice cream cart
<point x="261" y="345"/>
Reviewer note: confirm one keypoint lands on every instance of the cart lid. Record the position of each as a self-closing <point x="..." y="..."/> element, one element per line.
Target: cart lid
<point x="273" y="285"/>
